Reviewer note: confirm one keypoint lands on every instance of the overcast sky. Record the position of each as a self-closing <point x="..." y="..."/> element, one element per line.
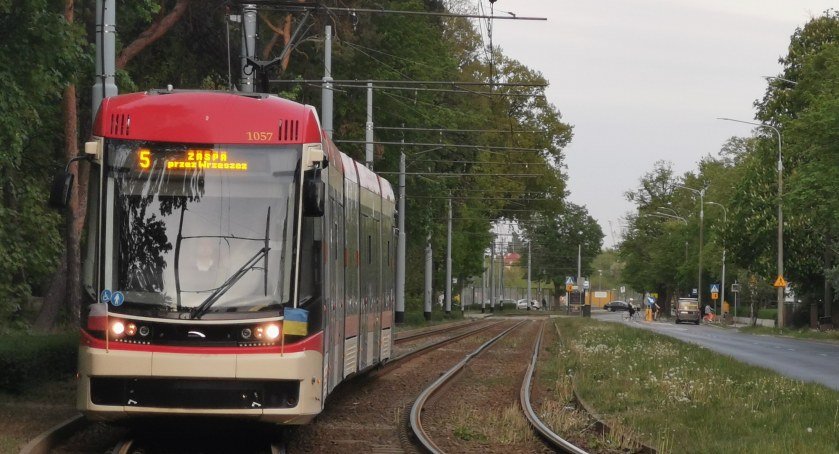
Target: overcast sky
<point x="645" y="80"/>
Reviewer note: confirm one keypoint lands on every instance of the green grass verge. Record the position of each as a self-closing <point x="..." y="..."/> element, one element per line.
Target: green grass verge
<point x="682" y="398"/>
<point x="29" y="360"/>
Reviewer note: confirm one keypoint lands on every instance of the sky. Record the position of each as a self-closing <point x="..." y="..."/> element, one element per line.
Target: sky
<point x="643" y="81"/>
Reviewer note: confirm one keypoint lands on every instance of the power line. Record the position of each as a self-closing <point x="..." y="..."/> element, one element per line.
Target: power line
<point x="354" y="83"/>
<point x="460" y="175"/>
<point x="511" y="16"/>
<point x="441" y="130"/>
<point x="442" y="145"/>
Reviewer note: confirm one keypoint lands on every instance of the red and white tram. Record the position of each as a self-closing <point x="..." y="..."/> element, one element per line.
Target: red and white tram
<point x="237" y="263"/>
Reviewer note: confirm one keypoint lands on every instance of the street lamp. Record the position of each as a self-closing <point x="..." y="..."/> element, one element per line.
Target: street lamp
<point x="671" y="213"/>
<point x="780" y="215"/>
<point x="701" y="193"/>
<point x="725" y="223"/>
<point x="768" y="78"/>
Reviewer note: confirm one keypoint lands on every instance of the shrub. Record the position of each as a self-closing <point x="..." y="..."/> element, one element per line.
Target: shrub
<point x="29" y="360"/>
<point x="770" y="314"/>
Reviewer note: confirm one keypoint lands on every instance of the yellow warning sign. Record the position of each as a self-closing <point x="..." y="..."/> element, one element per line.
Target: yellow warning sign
<point x="780" y="282"/>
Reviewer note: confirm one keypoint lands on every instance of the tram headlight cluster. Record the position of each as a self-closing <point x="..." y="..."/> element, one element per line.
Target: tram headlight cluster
<point x="268" y="332"/>
<point x="120" y="328"/>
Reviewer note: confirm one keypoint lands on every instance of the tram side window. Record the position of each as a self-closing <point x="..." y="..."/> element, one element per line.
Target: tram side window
<point x="310" y="260"/>
<point x="89" y="267"/>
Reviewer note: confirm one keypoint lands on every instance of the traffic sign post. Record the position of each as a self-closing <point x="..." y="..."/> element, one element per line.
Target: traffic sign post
<point x="715" y="294"/>
<point x="735" y="289"/>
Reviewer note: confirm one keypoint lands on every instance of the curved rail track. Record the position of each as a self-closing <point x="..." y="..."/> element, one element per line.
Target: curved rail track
<point x="553" y="440"/>
<point x="411" y="417"/>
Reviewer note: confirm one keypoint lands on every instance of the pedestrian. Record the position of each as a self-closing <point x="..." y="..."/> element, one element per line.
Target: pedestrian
<point x="656" y="310"/>
<point x="708" y="313"/>
<point x="631" y="311"/>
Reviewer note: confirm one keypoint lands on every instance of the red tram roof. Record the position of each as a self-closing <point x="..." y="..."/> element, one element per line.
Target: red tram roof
<point x="207" y="117"/>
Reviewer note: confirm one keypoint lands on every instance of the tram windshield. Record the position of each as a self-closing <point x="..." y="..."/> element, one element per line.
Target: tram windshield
<point x="204" y="230"/>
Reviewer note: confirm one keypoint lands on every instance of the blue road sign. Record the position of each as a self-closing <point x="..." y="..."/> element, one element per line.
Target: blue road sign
<point x="569" y="280"/>
<point x="715" y="288"/>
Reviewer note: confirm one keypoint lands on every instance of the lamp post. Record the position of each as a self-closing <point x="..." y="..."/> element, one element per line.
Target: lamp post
<point x="780" y="214"/>
<point x="768" y="78"/>
<point x="701" y="193"/>
<point x="725" y="223"/>
<point x="660" y="214"/>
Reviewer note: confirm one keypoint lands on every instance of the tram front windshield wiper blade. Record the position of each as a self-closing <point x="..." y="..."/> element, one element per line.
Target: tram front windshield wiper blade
<point x="230" y="282"/>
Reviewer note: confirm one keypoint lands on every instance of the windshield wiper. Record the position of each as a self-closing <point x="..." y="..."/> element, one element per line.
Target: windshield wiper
<point x="230" y="282"/>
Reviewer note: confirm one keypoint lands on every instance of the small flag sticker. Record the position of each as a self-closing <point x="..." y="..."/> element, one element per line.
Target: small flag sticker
<point x="97" y="319"/>
<point x="295" y="321"/>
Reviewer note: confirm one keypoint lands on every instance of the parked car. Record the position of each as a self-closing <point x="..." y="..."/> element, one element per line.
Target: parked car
<point x="505" y="303"/>
<point x="522" y="304"/>
<point x="616" y="306"/>
<point x="687" y="310"/>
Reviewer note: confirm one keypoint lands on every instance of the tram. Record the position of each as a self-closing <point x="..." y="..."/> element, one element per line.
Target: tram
<point x="236" y="263"/>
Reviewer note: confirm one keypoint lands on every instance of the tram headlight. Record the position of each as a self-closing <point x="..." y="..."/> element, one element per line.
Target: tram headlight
<point x="267" y="332"/>
<point x="130" y="329"/>
<point x="272" y="332"/>
<point x="247" y="333"/>
<point x="118" y="327"/>
<point x="144" y="331"/>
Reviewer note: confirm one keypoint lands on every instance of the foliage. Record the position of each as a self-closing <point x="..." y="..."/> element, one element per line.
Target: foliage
<point x="557" y="241"/>
<point x="39" y="57"/>
<point x="27" y="361"/>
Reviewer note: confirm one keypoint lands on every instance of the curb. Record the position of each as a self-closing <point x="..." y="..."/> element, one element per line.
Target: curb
<point x="43" y="443"/>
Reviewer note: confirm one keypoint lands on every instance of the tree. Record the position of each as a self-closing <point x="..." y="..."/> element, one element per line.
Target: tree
<point x="557" y="240"/>
<point x="30" y="129"/>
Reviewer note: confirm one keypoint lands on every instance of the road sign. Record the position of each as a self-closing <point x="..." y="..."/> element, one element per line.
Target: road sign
<point x="650" y="301"/>
<point x="569" y="280"/>
<point x="735" y="288"/>
<point x="715" y="296"/>
<point x="780" y="282"/>
<point x="715" y="288"/>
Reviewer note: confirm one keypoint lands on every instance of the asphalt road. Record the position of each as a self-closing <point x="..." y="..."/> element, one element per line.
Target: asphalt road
<point x="807" y="360"/>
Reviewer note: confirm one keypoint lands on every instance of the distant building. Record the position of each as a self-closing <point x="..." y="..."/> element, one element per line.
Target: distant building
<point x="511" y="259"/>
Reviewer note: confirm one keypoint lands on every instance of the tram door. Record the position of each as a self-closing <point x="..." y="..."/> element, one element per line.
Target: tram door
<point x="336" y="292"/>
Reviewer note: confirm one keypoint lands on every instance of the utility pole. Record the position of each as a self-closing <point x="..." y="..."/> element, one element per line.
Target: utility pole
<point x="449" y="262"/>
<point x="492" y="275"/>
<point x="400" y="245"/>
<point x="248" y="47"/>
<point x="326" y="90"/>
<point x="428" y="269"/>
<point x="104" y="86"/>
<point x="368" y="148"/>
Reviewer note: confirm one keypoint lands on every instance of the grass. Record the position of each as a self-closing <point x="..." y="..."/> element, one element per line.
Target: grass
<point x="681" y="398"/>
<point x="36" y="410"/>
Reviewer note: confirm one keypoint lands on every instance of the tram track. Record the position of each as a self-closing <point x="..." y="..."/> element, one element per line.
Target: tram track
<point x="373" y="412"/>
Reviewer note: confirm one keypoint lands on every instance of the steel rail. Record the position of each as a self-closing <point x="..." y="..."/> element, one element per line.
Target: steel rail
<point x="416" y="409"/>
<point x="540" y="427"/>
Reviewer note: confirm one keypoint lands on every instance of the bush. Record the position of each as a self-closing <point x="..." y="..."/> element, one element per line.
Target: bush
<point x="28" y="360"/>
<point x="770" y="314"/>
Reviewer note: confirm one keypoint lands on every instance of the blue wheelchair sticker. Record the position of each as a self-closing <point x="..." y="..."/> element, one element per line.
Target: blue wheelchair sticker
<point x="117" y="299"/>
<point x="105" y="296"/>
